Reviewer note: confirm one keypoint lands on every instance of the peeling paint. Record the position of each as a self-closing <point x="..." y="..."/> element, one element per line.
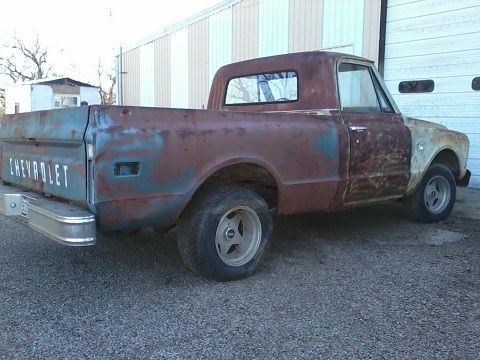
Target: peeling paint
<point x="429" y="139"/>
<point x="308" y="149"/>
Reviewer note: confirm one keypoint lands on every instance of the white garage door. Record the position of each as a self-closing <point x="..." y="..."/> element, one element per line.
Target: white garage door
<point x="437" y="40"/>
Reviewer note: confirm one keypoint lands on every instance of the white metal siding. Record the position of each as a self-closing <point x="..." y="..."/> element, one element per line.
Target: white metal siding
<point x="89" y="94"/>
<point x="198" y="64"/>
<point x="40" y="98"/>
<point x="131" y="77"/>
<point x="187" y="55"/>
<point x="219" y="41"/>
<point x="147" y="75"/>
<point x="179" y="66"/>
<point x="273" y="27"/>
<point x="343" y="25"/>
<point x="371" y="29"/>
<point x="162" y="71"/>
<point x="438" y="40"/>
<point x="245" y="30"/>
<point x="305" y="25"/>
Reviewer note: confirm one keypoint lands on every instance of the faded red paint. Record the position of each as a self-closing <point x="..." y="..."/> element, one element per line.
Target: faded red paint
<point x="186" y="147"/>
<point x="307" y="147"/>
<point x="316" y="71"/>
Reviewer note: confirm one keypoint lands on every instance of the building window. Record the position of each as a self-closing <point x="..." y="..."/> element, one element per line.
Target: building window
<point x="17" y="108"/>
<point x="62" y="101"/>
<point x="476" y="83"/>
<point x="416" y="86"/>
<point x="264" y="88"/>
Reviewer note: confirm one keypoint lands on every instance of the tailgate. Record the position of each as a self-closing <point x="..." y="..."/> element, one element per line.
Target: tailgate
<point x="44" y="151"/>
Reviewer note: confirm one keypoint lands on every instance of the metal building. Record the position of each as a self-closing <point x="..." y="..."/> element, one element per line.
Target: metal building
<point x="432" y="64"/>
<point x="429" y="51"/>
<point x="175" y="68"/>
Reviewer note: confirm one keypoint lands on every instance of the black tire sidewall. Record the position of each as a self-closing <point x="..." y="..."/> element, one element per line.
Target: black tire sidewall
<point x="216" y="206"/>
<point x="436" y="170"/>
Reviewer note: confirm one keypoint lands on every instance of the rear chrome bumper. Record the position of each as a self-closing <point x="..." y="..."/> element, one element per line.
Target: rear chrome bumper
<point x="65" y="223"/>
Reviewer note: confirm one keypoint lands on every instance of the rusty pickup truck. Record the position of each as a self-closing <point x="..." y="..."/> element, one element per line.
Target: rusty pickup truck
<point x="305" y="132"/>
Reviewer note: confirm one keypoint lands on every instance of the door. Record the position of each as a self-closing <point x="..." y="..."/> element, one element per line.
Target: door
<point x="380" y="144"/>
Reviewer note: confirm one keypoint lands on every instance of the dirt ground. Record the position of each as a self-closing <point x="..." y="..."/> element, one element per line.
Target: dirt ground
<point x="364" y="283"/>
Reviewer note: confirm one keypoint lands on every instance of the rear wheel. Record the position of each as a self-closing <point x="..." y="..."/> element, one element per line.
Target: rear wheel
<point x="225" y="233"/>
<point x="435" y="196"/>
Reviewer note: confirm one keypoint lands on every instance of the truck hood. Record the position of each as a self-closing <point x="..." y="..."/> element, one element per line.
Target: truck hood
<point x="410" y="121"/>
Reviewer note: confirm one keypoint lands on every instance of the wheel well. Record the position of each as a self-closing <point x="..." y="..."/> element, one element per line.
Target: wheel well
<point x="251" y="176"/>
<point x="448" y="158"/>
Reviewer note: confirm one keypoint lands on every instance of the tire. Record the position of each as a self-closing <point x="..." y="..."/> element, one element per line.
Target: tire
<point x="225" y="233"/>
<point x="434" y="198"/>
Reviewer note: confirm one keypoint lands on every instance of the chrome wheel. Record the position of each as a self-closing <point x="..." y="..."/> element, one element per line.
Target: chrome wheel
<point x="437" y="194"/>
<point x="238" y="236"/>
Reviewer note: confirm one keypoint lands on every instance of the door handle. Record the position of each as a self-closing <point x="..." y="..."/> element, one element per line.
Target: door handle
<point x="358" y="129"/>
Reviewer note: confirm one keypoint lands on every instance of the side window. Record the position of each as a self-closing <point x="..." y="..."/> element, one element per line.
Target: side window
<point x="357" y="90"/>
<point x="384" y="103"/>
<point x="61" y="101"/>
<point x="262" y="88"/>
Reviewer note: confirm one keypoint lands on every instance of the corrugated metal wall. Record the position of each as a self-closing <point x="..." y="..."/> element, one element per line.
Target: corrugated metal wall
<point x="305" y="25"/>
<point x="162" y="72"/>
<point x="186" y="59"/>
<point x="131" y="78"/>
<point x="219" y="41"/>
<point x="343" y="25"/>
<point x="179" y="83"/>
<point x="198" y="67"/>
<point x="147" y="69"/>
<point x="273" y="27"/>
<point x="245" y="30"/>
<point x="371" y="29"/>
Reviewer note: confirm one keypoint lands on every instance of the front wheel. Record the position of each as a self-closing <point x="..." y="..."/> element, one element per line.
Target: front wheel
<point x="225" y="233"/>
<point x="435" y="197"/>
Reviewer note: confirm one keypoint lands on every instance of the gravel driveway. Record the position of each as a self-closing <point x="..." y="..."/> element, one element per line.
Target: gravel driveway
<point x="365" y="283"/>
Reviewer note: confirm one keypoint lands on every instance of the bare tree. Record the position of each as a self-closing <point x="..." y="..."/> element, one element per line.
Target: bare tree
<point x="107" y="91"/>
<point x="2" y="103"/>
<point x="25" y="62"/>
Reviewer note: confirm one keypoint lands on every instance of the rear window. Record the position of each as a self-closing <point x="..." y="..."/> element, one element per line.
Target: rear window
<point x="263" y="88"/>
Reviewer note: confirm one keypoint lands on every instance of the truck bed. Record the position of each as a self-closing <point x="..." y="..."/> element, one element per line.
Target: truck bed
<point x="137" y="167"/>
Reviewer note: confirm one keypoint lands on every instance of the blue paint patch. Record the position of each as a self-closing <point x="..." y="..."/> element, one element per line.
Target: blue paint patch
<point x="124" y="140"/>
<point x="49" y="149"/>
<point x="327" y="143"/>
<point x="153" y="211"/>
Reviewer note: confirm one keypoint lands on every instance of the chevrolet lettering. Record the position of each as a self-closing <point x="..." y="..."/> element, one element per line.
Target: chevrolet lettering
<point x="54" y="174"/>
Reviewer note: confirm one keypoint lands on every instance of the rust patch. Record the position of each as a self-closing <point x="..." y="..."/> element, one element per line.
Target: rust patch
<point x="379" y="162"/>
<point x="429" y="139"/>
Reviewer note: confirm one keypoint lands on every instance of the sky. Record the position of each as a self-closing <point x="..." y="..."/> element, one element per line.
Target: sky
<point x="78" y="34"/>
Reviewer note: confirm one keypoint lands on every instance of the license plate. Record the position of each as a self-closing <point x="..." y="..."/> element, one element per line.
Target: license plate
<point x="24" y="211"/>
